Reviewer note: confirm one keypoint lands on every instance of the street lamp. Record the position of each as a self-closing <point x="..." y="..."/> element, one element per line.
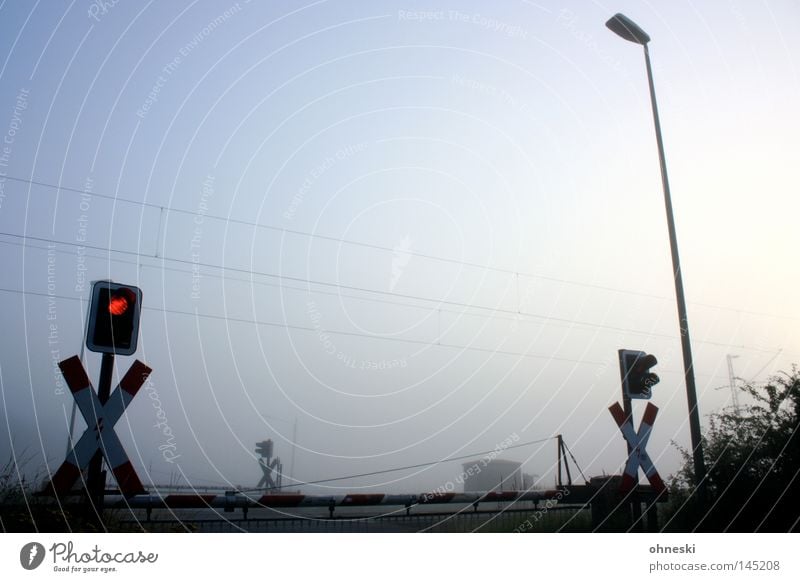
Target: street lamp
<point x="624" y="27"/>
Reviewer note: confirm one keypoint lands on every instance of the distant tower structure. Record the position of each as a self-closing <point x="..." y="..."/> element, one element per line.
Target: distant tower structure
<point x="732" y="383"/>
<point x="268" y="465"/>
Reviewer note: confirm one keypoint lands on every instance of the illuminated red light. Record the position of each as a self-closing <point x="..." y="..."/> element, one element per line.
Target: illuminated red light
<point x="117" y="305"/>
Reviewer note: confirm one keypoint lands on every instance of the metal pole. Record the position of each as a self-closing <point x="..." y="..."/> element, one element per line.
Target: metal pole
<point x="688" y="366"/>
<point x="636" y="506"/>
<point x="294" y="450"/>
<point x="558" y="444"/>
<point x="70" y="442"/>
<point x="96" y="480"/>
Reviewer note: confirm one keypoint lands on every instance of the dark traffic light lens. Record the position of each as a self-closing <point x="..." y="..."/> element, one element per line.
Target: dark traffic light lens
<point x="637" y="379"/>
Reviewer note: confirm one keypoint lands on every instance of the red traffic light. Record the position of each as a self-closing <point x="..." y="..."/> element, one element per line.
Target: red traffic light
<point x="120" y="300"/>
<point x="114" y="310"/>
<point x="117" y="305"/>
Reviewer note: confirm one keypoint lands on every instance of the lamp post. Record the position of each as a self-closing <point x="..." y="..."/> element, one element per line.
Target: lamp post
<point x="624" y="27"/>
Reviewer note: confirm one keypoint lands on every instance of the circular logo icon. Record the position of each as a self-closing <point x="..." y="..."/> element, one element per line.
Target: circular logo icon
<point x="31" y="555"/>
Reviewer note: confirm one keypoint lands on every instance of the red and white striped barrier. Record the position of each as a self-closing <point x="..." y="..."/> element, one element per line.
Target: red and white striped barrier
<point x="233" y="500"/>
<point x="638" y="456"/>
<point x="99" y="434"/>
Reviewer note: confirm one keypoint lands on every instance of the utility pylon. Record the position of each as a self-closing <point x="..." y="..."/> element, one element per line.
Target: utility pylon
<point x="732" y="384"/>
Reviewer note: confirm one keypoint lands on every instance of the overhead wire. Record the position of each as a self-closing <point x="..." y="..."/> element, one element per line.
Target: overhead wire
<point x="418" y="465"/>
<point x="409" y="252"/>
<point x="330" y="331"/>
<point x="284" y="230"/>
<point x="570" y="323"/>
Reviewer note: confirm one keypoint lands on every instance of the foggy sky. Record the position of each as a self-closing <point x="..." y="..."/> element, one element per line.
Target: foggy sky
<point x="406" y="231"/>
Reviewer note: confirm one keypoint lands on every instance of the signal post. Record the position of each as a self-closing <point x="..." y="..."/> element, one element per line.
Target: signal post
<point x="113" y="328"/>
<point x="637" y="383"/>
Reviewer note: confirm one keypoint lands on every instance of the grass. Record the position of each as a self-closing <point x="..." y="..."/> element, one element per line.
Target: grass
<point x="23" y="510"/>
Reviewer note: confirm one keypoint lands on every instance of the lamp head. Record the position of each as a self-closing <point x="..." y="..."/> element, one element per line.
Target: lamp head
<point x="623" y="26"/>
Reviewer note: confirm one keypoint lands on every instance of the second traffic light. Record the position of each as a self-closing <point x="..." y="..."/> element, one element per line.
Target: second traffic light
<point x="114" y="318"/>
<point x="637" y="379"/>
<point x="264" y="448"/>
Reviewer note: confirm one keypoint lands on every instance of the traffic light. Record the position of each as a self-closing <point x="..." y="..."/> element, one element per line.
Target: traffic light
<point x="114" y="318"/>
<point x="637" y="379"/>
<point x="264" y="448"/>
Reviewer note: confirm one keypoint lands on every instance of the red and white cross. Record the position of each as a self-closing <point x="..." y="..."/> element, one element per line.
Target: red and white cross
<point x="99" y="433"/>
<point x="638" y="456"/>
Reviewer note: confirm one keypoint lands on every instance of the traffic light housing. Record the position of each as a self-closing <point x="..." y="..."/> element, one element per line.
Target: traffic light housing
<point x="264" y="448"/>
<point x="637" y="379"/>
<point x="114" y="318"/>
